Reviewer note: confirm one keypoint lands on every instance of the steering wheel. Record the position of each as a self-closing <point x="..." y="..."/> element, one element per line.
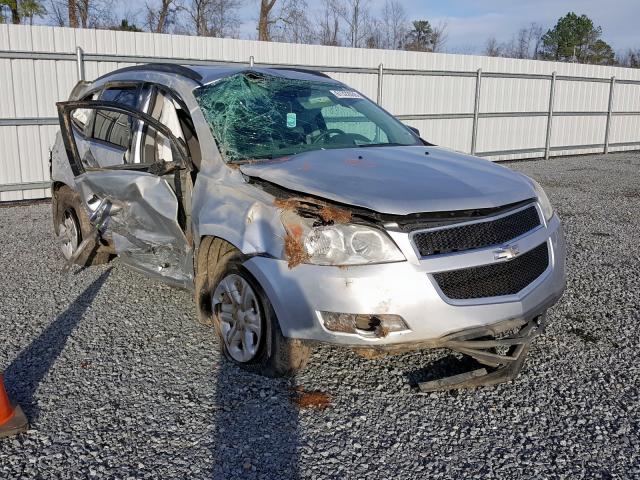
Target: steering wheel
<point x="326" y="133"/>
<point x="360" y="138"/>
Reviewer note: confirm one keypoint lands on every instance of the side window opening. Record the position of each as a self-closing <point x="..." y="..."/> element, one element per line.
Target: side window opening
<point x="124" y="95"/>
<point x="107" y="141"/>
<point x="112" y="127"/>
<point x="169" y="111"/>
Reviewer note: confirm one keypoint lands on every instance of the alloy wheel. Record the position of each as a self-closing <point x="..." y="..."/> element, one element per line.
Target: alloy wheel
<point x="69" y="233"/>
<point x="236" y="305"/>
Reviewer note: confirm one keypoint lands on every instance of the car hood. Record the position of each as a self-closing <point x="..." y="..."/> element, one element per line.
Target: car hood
<point x="397" y="180"/>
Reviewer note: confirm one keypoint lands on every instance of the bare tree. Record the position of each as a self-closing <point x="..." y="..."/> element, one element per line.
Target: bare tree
<point x="536" y="32"/>
<point x="58" y="13"/>
<point x="526" y="43"/>
<point x="439" y="37"/>
<point x="265" y="20"/>
<point x="492" y="48"/>
<point x="356" y="17"/>
<point x="223" y="19"/>
<point x="375" y="37"/>
<point x="158" y="19"/>
<point x="630" y="58"/>
<point x="73" y="14"/>
<point x="214" y="18"/>
<point x="83" y="7"/>
<point x="291" y="24"/>
<point x="394" y="24"/>
<point x="329" y="28"/>
<point x="83" y="13"/>
<point x="197" y="12"/>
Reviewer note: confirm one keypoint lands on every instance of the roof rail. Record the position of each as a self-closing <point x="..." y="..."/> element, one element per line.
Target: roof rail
<point x="303" y="70"/>
<point x="160" y="67"/>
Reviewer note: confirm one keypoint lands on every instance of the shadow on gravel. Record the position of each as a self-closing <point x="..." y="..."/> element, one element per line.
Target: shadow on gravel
<point x="256" y="427"/>
<point x="26" y="372"/>
<point x="445" y="366"/>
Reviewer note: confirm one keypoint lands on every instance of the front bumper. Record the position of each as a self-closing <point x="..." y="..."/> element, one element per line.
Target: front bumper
<point x="406" y="289"/>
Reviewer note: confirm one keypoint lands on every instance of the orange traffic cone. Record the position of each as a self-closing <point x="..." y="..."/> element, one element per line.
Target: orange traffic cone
<point x="12" y="419"/>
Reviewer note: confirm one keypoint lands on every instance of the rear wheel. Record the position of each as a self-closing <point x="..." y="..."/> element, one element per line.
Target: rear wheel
<point x="71" y="226"/>
<point x="232" y="300"/>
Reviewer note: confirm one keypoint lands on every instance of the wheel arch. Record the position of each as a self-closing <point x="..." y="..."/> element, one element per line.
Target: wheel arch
<point x="56" y="186"/>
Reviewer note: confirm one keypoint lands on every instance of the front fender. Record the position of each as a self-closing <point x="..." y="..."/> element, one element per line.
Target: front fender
<point x="239" y="213"/>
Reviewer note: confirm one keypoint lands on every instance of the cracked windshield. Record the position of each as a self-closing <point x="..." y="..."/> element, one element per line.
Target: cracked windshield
<point x="255" y="116"/>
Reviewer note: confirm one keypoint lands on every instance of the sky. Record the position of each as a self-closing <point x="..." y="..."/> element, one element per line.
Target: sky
<point x="471" y="22"/>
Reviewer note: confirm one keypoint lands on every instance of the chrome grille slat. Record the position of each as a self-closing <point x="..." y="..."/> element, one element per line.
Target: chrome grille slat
<point x="482" y="234"/>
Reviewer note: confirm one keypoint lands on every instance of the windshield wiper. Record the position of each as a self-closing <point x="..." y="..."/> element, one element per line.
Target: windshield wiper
<point x="388" y="144"/>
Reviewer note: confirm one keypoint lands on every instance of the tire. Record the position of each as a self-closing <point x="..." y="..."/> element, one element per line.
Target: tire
<point x="71" y="226"/>
<point x="267" y="351"/>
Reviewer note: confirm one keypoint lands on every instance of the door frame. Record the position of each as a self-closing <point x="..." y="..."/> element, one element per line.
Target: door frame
<point x="64" y="116"/>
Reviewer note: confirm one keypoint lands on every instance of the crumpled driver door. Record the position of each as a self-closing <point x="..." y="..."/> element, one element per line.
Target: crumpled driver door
<point x="128" y="162"/>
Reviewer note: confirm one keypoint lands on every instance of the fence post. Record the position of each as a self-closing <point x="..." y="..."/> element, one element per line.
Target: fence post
<point x="380" y="75"/>
<point x="609" y="112"/>
<point x="476" y="110"/>
<point x="552" y="93"/>
<point x="80" y="63"/>
<point x="251" y="61"/>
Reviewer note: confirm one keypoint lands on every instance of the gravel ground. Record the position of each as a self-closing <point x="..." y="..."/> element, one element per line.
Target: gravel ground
<point x="119" y="381"/>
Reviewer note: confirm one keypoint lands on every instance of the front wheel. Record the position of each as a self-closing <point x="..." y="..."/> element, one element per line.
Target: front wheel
<point x="232" y="300"/>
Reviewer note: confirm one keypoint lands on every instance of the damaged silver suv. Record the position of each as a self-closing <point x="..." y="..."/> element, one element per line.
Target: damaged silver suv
<point x="299" y="211"/>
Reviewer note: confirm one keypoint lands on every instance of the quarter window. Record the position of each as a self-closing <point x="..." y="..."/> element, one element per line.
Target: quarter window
<point x="125" y="95"/>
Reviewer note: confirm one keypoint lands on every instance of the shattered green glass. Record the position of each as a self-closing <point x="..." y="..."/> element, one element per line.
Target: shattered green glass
<point x="255" y="116"/>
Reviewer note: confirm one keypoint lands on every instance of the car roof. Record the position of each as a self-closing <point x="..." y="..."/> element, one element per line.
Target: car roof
<point x="204" y="74"/>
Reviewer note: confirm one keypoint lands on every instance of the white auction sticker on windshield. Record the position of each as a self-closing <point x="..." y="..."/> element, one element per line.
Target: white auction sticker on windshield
<point x="346" y="93"/>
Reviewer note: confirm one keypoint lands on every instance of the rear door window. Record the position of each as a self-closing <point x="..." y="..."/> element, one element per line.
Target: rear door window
<point x="112" y="127"/>
<point x="108" y="142"/>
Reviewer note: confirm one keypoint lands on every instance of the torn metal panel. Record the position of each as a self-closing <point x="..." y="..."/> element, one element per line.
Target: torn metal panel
<point x="60" y="167"/>
<point x="243" y="215"/>
<point x="143" y="222"/>
<point x="500" y="367"/>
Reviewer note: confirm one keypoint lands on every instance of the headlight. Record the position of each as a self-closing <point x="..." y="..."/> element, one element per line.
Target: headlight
<point x="543" y="200"/>
<point x="349" y="244"/>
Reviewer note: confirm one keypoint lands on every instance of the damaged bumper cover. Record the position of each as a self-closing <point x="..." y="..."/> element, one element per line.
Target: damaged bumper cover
<point x="300" y="296"/>
<point x="482" y="345"/>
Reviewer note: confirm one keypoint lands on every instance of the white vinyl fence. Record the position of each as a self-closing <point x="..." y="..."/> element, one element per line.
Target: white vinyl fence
<point x="493" y="107"/>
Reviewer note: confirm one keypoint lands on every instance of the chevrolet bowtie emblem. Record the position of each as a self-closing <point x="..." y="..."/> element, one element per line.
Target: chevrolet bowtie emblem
<point x="506" y="253"/>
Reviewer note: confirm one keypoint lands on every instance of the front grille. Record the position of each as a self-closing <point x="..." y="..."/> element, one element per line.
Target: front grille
<point x="477" y="235"/>
<point x="496" y="279"/>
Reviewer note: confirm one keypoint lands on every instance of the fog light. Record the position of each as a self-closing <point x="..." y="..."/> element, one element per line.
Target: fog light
<point x="374" y="325"/>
